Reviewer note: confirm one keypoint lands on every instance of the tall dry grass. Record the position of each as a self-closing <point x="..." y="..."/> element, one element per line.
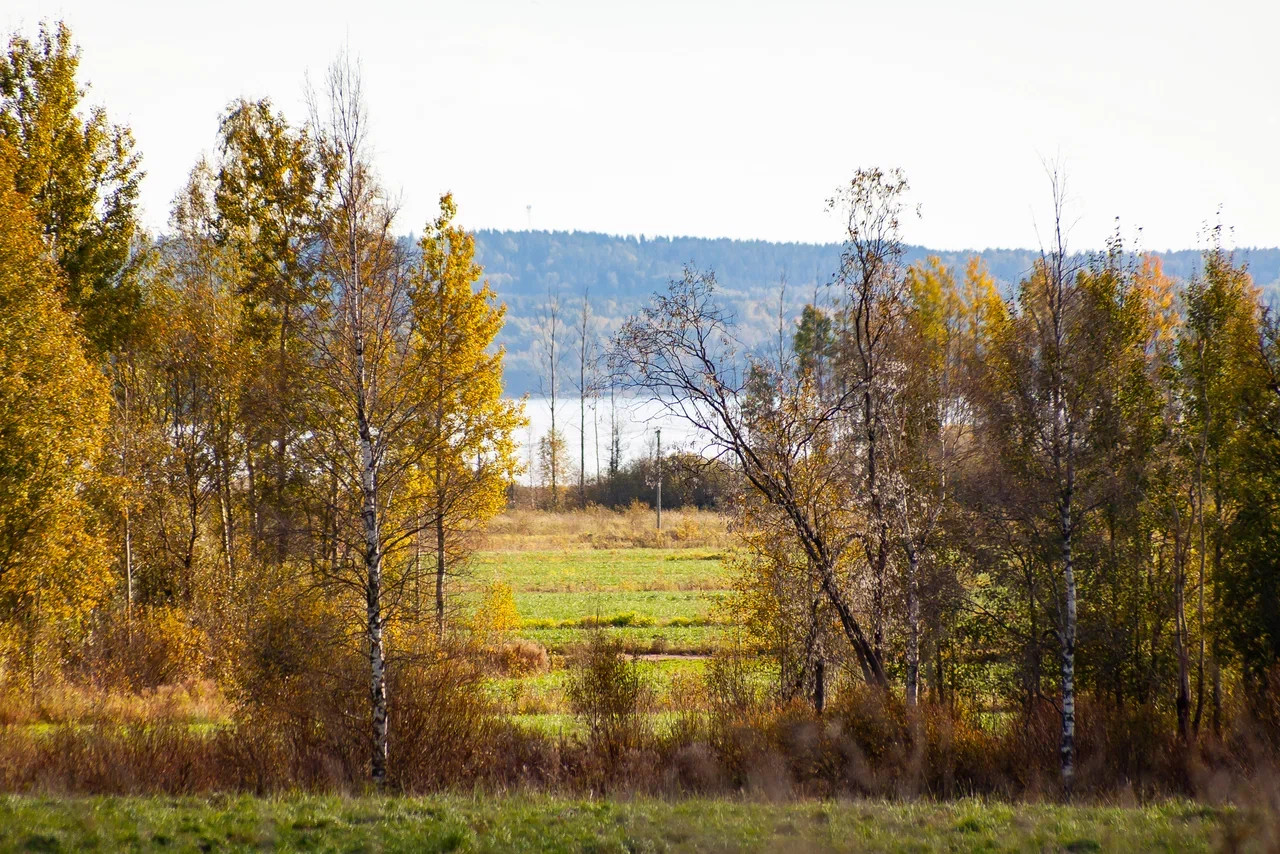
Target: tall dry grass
<point x="190" y="702"/>
<point x="448" y="733"/>
<point x="597" y="527"/>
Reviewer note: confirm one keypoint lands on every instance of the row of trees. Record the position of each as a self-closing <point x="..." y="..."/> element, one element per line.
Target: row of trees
<point x="277" y="407"/>
<point x="1069" y="492"/>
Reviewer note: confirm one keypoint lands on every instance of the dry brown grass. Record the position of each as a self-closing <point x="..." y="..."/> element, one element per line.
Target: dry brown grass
<point x="193" y="701"/>
<point x="600" y="528"/>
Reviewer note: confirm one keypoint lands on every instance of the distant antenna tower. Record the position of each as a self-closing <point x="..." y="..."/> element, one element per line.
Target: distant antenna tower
<point x="528" y="209"/>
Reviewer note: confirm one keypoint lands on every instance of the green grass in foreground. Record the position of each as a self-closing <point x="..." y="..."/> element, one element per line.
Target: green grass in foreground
<point x="454" y="823"/>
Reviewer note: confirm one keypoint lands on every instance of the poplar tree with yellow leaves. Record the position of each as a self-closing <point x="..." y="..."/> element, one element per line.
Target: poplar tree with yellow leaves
<point x="462" y="482"/>
<point x="80" y="175"/>
<point x="54" y="406"/>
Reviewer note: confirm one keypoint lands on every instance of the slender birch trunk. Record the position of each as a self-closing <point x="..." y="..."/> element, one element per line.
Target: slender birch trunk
<point x="1067" y="748"/>
<point x="128" y="572"/>
<point x="372" y="547"/>
<point x="1181" y="633"/>
<point x="913" y="626"/>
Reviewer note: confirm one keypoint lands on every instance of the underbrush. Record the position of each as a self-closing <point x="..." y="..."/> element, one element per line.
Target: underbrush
<point x="721" y="735"/>
<point x="191" y="702"/>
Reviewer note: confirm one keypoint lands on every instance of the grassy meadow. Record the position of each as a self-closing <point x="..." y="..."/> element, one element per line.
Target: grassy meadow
<point x="659" y="592"/>
<point x="662" y="593"/>
<point x="460" y="823"/>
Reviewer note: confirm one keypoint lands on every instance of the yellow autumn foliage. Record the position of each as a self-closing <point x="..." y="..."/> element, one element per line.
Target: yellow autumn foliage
<point x="53" y="416"/>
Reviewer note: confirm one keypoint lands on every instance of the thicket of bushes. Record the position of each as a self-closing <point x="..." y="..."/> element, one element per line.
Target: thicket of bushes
<point x="300" y="724"/>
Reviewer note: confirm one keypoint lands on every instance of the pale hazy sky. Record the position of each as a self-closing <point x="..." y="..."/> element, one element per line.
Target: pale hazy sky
<point x="737" y="119"/>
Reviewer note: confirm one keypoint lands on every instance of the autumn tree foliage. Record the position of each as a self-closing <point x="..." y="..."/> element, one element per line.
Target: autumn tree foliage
<point x="229" y="448"/>
<point x="461" y="482"/>
<point x="54" y="405"/>
<point x="80" y="174"/>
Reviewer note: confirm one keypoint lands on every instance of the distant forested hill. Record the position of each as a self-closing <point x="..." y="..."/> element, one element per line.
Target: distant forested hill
<point x="619" y="273"/>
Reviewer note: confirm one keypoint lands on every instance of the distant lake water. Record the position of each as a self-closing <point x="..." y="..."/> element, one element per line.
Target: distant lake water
<point x="638" y="421"/>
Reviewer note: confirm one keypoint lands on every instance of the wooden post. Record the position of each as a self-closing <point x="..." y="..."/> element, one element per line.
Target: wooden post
<point x="659" y="478"/>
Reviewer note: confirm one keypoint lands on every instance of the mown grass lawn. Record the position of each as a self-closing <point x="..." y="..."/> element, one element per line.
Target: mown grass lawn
<point x="528" y="823"/>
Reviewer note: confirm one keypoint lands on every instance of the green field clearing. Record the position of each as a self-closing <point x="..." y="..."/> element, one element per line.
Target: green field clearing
<point x="588" y="570"/>
<point x="654" y="600"/>
<point x="659" y="605"/>
<point x="544" y="693"/>
<point x="670" y="640"/>
<point x="479" y="824"/>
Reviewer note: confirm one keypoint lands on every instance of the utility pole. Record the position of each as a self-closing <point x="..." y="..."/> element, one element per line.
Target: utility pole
<point x="659" y="478"/>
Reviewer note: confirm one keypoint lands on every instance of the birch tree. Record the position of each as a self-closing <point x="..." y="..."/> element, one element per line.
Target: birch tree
<point x="1049" y="410"/>
<point x="872" y="279"/>
<point x="586" y="386"/>
<point x="680" y="350"/>
<point x="368" y="384"/>
<point x="551" y="355"/>
<point x="927" y="431"/>
<point x="1215" y="347"/>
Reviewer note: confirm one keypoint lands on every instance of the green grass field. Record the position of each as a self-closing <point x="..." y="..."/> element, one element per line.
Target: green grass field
<point x="457" y="823"/>
<point x="655" y="601"/>
<point x="586" y="570"/>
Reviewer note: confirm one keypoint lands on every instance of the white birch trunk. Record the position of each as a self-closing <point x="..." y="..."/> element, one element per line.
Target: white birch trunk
<point x="1067" y="748"/>
<point x="373" y="579"/>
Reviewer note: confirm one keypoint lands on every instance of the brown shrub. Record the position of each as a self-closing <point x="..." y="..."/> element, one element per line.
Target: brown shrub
<point x="516" y="657"/>
<point x="609" y="693"/>
<point x="443" y="728"/>
<point x="151" y="646"/>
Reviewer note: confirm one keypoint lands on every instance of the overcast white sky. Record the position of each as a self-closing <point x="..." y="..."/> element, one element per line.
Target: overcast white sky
<point x="737" y="119"/>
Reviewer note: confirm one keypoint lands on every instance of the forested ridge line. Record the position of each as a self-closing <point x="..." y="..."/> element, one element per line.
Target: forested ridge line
<point x="618" y="272"/>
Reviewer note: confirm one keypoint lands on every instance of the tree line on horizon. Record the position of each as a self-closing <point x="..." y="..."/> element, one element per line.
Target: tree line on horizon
<point x="617" y="273"/>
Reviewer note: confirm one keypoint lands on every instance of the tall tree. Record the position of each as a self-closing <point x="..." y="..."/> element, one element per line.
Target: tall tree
<point x="551" y="354"/>
<point x="81" y="175"/>
<point x="681" y="351"/>
<point x="367" y="386"/>
<point x="1051" y="410"/>
<point x="54" y="406"/>
<point x="1217" y="342"/>
<point x="586" y="385"/>
<point x="1250" y="575"/>
<point x="462" y="482"/>
<point x="927" y="430"/>
<point x="872" y="279"/>
<point x="272" y="185"/>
